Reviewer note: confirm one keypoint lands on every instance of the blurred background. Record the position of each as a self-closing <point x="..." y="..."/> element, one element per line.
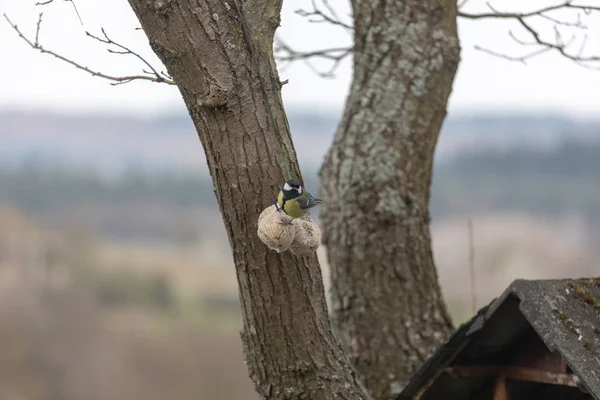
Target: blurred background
<point x="116" y="279"/>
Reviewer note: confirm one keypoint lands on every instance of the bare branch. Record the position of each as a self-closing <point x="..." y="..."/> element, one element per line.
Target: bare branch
<point x="152" y="76"/>
<point x="37" y="29"/>
<point x="523" y="59"/>
<point x="472" y="267"/>
<point x="336" y="55"/>
<point x="43" y="3"/>
<point x="507" y="15"/>
<point x="330" y="16"/>
<point x="462" y="4"/>
<point x="124" y="50"/>
<point x="558" y="44"/>
<point x="327" y="14"/>
<point x="577" y="24"/>
<point x="319" y="14"/>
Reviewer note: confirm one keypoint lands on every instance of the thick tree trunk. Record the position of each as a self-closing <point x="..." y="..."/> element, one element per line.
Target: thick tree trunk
<point x="386" y="301"/>
<point x="220" y="54"/>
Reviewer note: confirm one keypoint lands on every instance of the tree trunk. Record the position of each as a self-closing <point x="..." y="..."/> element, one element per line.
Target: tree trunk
<point x="386" y="301"/>
<point x="220" y="54"/>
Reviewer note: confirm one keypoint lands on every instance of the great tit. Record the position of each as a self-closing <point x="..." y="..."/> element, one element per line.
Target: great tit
<point x="294" y="200"/>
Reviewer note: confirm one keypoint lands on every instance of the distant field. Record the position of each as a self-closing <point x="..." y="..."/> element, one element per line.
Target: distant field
<point x="122" y="286"/>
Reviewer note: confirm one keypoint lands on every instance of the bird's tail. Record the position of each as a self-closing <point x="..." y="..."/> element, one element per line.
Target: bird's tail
<point x="313" y="201"/>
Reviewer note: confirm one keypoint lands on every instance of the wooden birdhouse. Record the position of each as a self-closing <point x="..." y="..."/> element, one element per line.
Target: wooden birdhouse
<point x="539" y="340"/>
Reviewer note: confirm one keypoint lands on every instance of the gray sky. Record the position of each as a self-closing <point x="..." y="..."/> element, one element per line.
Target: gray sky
<point x="28" y="79"/>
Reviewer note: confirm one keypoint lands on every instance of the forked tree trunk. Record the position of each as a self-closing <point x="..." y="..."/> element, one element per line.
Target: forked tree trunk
<point x="220" y="54"/>
<point x="386" y="301"/>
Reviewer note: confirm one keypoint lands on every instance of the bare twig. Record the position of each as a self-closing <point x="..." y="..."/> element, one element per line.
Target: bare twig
<point x="462" y="4"/>
<point x="324" y="13"/>
<point x="508" y="15"/>
<point x="472" y="267"/>
<point x="327" y="14"/>
<point x="336" y="55"/>
<point x="152" y="76"/>
<point x="37" y="30"/>
<point x="558" y="44"/>
<point x="522" y="59"/>
<point x="577" y="24"/>
<point x="43" y="3"/>
<point x="321" y="16"/>
<point x="123" y="50"/>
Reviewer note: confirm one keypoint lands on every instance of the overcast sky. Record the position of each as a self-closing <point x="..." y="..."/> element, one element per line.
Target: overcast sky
<point x="28" y="79"/>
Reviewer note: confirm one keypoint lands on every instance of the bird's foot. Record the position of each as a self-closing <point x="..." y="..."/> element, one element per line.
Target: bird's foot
<point x="279" y="209"/>
<point x="288" y="222"/>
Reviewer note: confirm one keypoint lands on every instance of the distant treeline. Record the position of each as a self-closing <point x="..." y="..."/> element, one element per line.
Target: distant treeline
<point x="41" y="188"/>
<point x="552" y="182"/>
<point x="566" y="179"/>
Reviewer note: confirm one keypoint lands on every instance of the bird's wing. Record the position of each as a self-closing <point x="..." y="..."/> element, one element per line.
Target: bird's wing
<point x="309" y="202"/>
<point x="304" y="202"/>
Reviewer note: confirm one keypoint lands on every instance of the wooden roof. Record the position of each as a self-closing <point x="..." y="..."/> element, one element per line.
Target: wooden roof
<point x="550" y="322"/>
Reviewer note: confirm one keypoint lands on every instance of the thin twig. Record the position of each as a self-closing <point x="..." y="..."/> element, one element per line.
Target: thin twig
<point x="37" y="30"/>
<point x="522" y="59"/>
<point x="462" y="4"/>
<point x="472" y="267"/>
<point x="583" y="43"/>
<point x="332" y="11"/>
<point x="116" y="80"/>
<point x="336" y="55"/>
<point x="124" y="50"/>
<point x="559" y="44"/>
<point x="508" y="15"/>
<point x="43" y="3"/>
<point x="577" y="24"/>
<point x="562" y="49"/>
<point x="330" y="17"/>
<point x="327" y="14"/>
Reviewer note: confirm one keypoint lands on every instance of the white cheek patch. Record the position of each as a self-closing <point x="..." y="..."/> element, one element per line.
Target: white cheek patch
<point x="287" y="187"/>
<point x="299" y="189"/>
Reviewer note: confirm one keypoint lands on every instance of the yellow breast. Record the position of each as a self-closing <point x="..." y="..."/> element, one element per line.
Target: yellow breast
<point x="291" y="207"/>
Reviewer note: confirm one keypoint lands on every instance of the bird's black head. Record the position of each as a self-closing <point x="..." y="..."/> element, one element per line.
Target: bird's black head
<point x="292" y="189"/>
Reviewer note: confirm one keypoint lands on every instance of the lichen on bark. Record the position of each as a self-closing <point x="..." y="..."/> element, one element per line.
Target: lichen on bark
<point x="386" y="301"/>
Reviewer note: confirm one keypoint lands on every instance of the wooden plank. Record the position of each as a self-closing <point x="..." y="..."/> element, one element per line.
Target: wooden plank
<point x="563" y="365"/>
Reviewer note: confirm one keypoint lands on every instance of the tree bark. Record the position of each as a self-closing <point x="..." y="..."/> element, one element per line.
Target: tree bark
<point x="220" y="55"/>
<point x="386" y="301"/>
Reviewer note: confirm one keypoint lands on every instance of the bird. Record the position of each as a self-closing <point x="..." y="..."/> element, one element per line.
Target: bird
<point x="294" y="200"/>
